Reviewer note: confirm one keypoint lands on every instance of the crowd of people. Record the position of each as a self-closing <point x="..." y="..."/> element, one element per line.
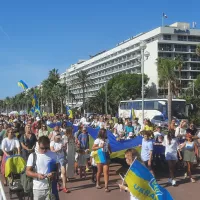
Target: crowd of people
<point x="60" y="154"/>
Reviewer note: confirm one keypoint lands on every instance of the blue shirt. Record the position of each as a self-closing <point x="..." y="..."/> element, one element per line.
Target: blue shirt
<point x="147" y="146"/>
<point x="84" y="141"/>
<point x="129" y="129"/>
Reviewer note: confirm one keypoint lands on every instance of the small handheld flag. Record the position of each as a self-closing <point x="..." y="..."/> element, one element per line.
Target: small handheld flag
<point x="23" y="85"/>
<point x="143" y="185"/>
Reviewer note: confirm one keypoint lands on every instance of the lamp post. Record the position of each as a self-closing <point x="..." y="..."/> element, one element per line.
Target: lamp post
<point x="106" y="98"/>
<point x="143" y="46"/>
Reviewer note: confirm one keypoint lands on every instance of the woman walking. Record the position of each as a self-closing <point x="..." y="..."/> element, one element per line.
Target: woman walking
<point x="190" y="153"/>
<point x="171" y="147"/>
<point x="69" y="142"/>
<point x="102" y="143"/>
<point x="28" y="142"/>
<point x="9" y="144"/>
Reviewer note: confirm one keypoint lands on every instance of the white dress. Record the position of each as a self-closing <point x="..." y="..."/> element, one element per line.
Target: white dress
<point x="71" y="151"/>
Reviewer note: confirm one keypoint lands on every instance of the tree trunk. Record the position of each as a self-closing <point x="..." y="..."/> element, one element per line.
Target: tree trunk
<point x="169" y="103"/>
<point x="52" y="108"/>
<point x="61" y="104"/>
<point x="180" y="82"/>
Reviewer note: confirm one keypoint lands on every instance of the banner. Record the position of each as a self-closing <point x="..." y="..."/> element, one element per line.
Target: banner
<point x="143" y="185"/>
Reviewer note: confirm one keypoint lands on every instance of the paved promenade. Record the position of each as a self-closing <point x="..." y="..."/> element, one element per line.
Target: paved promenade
<point x="85" y="189"/>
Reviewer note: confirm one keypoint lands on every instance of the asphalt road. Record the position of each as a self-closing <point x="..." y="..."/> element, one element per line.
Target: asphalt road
<point x="85" y="189"/>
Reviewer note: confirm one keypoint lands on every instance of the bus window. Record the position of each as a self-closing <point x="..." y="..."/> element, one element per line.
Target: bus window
<point x="129" y="105"/>
<point x="135" y="105"/>
<point x="149" y="105"/>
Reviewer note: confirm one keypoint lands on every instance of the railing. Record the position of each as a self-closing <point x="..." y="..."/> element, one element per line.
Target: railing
<point x="181" y="49"/>
<point x="195" y="59"/>
<point x="165" y="49"/>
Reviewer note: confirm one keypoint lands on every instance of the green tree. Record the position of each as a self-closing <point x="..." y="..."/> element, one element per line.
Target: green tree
<point x="166" y="73"/>
<point x="83" y="79"/>
<point x="120" y="87"/>
<point x="198" y="50"/>
<point x="179" y="60"/>
<point x="49" y="95"/>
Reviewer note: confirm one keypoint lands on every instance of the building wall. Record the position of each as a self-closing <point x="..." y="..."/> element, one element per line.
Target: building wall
<point x="124" y="58"/>
<point x="150" y="67"/>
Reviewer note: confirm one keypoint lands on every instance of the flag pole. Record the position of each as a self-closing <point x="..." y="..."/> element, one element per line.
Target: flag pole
<point x="162" y="20"/>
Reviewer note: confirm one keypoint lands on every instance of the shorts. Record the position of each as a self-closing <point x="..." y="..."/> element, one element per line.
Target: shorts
<point x="146" y="164"/>
<point x="62" y="162"/>
<point x="1" y="153"/>
<point x="171" y="156"/>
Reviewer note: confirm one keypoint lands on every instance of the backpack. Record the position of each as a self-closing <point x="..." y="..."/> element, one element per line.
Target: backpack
<point x="27" y="182"/>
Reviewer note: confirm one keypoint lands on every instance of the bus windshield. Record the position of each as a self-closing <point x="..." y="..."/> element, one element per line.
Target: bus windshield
<point x="179" y="109"/>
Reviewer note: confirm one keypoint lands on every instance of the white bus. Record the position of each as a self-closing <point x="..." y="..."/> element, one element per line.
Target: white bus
<point x="153" y="108"/>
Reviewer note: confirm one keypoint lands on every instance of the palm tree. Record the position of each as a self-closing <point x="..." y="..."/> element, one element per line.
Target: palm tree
<point x="84" y="80"/>
<point x="166" y="73"/>
<point x="180" y="63"/>
<point x="198" y="50"/>
<point x="48" y="85"/>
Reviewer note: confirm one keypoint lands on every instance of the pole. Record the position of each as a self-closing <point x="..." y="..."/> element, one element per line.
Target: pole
<point x="106" y="99"/>
<point x="162" y="20"/>
<point x="142" y="70"/>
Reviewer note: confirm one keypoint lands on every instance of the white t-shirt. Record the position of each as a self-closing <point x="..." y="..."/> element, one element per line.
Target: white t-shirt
<point x="43" y="162"/>
<point x="10" y="145"/>
<point x="83" y="120"/>
<point x="99" y="142"/>
<point x="58" y="146"/>
<point x="171" y="148"/>
<point x="180" y="131"/>
<point x="156" y="134"/>
<point x="119" y="128"/>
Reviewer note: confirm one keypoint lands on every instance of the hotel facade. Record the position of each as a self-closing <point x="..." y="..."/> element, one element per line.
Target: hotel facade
<point x="167" y="41"/>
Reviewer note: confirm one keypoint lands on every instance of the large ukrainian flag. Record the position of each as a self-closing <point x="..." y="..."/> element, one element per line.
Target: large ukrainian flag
<point x="118" y="148"/>
<point x="143" y="185"/>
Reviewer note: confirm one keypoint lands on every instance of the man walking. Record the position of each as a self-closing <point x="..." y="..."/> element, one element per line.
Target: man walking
<point x="42" y="167"/>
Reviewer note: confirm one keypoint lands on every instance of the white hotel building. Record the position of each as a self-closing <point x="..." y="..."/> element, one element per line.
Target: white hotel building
<point x="167" y="41"/>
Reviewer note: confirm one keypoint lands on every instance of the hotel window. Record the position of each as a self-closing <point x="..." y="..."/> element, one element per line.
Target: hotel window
<point x="182" y="38"/>
<point x="166" y="37"/>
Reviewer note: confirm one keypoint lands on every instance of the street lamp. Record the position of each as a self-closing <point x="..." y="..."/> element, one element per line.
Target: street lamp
<point x="106" y="98"/>
<point x="143" y="46"/>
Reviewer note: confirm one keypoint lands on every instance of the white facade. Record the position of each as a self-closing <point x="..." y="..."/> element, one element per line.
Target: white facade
<point x="168" y="41"/>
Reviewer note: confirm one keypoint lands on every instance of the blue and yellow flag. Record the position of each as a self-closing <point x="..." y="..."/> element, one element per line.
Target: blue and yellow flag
<point x="99" y="156"/>
<point x="69" y="112"/>
<point x="23" y="85"/>
<point x="133" y="116"/>
<point x="118" y="148"/>
<point x="35" y="101"/>
<point x="143" y="185"/>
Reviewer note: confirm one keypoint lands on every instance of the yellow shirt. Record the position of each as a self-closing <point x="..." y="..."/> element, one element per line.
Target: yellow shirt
<point x="148" y="128"/>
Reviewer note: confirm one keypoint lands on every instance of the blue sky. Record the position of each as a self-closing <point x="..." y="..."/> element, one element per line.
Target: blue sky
<point x="37" y="36"/>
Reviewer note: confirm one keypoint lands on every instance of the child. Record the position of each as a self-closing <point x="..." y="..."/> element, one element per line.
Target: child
<point x="147" y="150"/>
<point x="94" y="167"/>
<point x="82" y="163"/>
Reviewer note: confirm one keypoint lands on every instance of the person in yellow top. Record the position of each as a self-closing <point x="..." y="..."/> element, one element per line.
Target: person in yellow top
<point x="148" y="125"/>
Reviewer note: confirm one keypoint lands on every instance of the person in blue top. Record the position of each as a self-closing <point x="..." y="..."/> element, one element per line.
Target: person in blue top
<point x="129" y="129"/>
